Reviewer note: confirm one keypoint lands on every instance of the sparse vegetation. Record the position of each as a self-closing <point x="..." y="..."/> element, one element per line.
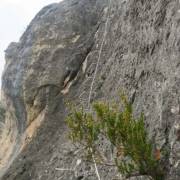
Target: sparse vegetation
<point x="2" y="112"/>
<point x="134" y="155"/>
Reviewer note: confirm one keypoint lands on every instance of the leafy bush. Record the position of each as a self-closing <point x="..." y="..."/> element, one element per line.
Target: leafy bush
<point x="135" y="154"/>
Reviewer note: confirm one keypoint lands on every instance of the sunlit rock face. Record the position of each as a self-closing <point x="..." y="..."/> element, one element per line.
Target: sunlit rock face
<point x="76" y="46"/>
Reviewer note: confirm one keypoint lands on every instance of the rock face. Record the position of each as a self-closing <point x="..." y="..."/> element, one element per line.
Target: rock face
<point x="81" y="51"/>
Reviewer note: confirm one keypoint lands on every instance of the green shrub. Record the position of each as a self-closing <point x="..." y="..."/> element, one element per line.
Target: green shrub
<point x="2" y="112"/>
<point x="135" y="154"/>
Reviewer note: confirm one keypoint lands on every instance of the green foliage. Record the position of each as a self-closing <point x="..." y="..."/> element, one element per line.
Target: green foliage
<point x="134" y="155"/>
<point x="83" y="128"/>
<point x="2" y="112"/>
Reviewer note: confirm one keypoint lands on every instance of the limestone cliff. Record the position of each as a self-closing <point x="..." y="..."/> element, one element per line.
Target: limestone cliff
<point x="81" y="51"/>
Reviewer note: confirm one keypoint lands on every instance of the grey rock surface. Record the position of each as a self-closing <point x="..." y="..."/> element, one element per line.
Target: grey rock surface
<point x="81" y="51"/>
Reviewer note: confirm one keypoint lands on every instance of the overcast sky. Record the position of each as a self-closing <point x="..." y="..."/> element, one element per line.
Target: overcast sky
<point x="15" y="15"/>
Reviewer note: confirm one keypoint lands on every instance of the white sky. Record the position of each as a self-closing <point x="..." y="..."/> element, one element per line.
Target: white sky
<point x="15" y="15"/>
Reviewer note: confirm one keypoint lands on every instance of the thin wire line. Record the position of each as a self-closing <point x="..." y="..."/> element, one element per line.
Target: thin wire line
<point x="99" y="57"/>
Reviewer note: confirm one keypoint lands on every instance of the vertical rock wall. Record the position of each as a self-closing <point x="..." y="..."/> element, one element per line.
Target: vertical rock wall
<point x="81" y="51"/>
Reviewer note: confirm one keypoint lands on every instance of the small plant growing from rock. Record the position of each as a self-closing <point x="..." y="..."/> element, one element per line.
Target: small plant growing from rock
<point x="134" y="152"/>
<point x="2" y="112"/>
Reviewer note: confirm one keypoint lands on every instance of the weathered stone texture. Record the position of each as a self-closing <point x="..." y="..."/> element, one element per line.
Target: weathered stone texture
<point x="127" y="45"/>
